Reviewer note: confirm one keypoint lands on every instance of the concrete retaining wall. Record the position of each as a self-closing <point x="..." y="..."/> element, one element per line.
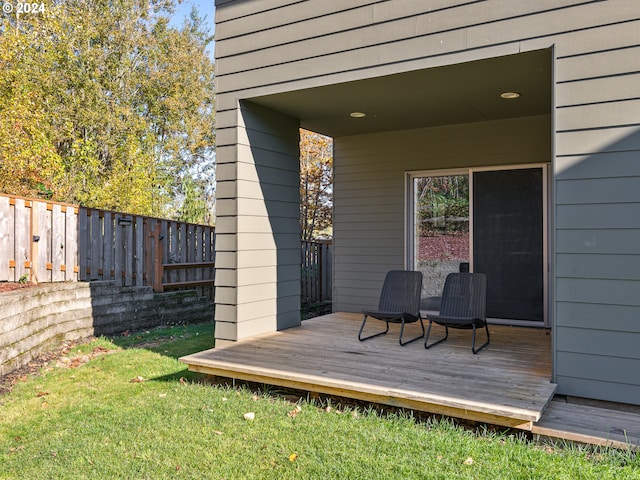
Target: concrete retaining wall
<point x="36" y="319"/>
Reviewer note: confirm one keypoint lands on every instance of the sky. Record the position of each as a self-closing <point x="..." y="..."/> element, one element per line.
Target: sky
<point x="205" y="8"/>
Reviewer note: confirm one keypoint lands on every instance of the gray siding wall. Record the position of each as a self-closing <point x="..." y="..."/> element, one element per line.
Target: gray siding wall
<point x="369" y="191"/>
<point x="273" y="46"/>
<point x="257" y="224"/>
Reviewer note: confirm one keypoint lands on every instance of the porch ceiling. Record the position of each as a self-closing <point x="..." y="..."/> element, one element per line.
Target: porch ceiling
<point x="454" y="94"/>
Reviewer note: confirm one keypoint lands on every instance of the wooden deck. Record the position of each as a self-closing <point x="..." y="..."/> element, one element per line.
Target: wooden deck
<point x="507" y="383"/>
<point x="598" y="425"/>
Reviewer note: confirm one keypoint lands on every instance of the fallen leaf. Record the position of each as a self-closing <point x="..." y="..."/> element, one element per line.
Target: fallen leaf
<point x="328" y="409"/>
<point x="183" y="380"/>
<point x="468" y="461"/>
<point x="217" y="432"/>
<point x="224" y="399"/>
<point x="439" y="457"/>
<point x="293" y="457"/>
<point x="256" y="398"/>
<point x="295" y="411"/>
<point x="44" y="405"/>
<point x="41" y="394"/>
<point x="249" y="416"/>
<point x="138" y="379"/>
<point x="162" y="395"/>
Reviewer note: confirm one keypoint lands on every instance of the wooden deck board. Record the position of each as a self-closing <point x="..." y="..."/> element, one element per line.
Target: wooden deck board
<point x="589" y="424"/>
<point x="507" y="383"/>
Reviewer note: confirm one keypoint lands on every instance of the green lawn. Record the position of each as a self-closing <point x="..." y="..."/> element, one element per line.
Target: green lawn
<point x="135" y="412"/>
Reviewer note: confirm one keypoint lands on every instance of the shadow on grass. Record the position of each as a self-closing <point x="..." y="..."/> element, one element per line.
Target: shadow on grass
<point x="172" y="341"/>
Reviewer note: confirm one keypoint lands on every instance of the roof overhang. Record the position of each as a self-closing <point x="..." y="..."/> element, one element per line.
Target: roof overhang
<point x="453" y="94"/>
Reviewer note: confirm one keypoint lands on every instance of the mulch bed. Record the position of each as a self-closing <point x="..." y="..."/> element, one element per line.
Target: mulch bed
<point x="444" y="247"/>
<point x="56" y="358"/>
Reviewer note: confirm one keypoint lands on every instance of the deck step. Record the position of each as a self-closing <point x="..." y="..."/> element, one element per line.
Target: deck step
<point x="590" y="424"/>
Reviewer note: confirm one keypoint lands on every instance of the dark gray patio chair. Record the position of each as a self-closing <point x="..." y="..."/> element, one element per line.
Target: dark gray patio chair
<point x="463" y="305"/>
<point x="399" y="303"/>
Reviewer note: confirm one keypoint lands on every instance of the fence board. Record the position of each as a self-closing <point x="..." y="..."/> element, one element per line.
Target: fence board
<point x="71" y="245"/>
<point x="108" y="246"/>
<point x="316" y="271"/>
<point x="57" y="242"/>
<point x="78" y="243"/>
<point x="128" y="253"/>
<point x="6" y="243"/>
<point x="22" y="245"/>
<point x="139" y="253"/>
<point x="39" y="230"/>
<point x="95" y="257"/>
<point x="83" y="243"/>
<point x="182" y="255"/>
<point x="119" y="252"/>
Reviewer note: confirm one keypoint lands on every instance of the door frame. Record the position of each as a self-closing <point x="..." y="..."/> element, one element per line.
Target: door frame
<point x="409" y="230"/>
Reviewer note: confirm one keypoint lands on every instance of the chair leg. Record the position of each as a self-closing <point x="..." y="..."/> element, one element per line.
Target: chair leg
<point x="426" y="340"/>
<point x="473" y="340"/>
<point x="362" y="339"/>
<point x="413" y="339"/>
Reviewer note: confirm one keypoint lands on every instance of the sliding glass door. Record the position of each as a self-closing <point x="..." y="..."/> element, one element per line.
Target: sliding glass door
<point x="483" y="220"/>
<point x="440" y="227"/>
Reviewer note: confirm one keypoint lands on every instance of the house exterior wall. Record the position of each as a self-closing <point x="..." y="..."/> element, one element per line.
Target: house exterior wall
<point x="258" y="224"/>
<point x="369" y="190"/>
<point x="274" y="46"/>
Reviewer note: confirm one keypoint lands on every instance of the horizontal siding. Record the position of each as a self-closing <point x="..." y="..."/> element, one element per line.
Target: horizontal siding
<point x="600" y="115"/>
<point x="597" y="165"/>
<point x="598" y="90"/>
<point x="615" y="318"/>
<point x="591" y="290"/>
<point x="369" y="191"/>
<point x="610" y="216"/>
<point x="604" y="267"/>
<point x="276" y="46"/>
<point x="352" y="24"/>
<point x="598" y="241"/>
<point x="603" y="368"/>
<point x="597" y="217"/>
<point x="355" y="50"/>
<point x="258" y="216"/>
<point x="602" y="342"/>
<point x="599" y="390"/>
<point x="603" y="190"/>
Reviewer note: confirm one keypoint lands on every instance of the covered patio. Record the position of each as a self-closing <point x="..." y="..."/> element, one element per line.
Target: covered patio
<point x="508" y="383"/>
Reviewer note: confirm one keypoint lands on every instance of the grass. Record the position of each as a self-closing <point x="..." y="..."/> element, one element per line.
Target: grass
<point x="135" y="412"/>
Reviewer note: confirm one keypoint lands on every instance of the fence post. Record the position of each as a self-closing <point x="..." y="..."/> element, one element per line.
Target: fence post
<point x="157" y="257"/>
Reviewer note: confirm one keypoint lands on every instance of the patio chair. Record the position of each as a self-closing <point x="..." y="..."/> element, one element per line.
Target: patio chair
<point x="463" y="305"/>
<point x="399" y="303"/>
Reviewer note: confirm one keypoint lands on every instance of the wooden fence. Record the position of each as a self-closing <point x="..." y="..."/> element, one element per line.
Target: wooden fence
<point x="43" y="241"/>
<point x="316" y="271"/>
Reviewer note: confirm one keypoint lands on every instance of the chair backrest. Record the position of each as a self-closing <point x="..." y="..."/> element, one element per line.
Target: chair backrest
<point x="464" y="296"/>
<point x="401" y="292"/>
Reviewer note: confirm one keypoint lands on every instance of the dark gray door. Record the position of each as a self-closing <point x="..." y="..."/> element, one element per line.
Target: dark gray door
<point x="508" y="241"/>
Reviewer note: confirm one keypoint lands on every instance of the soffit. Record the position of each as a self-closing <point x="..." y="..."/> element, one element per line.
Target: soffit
<point x="455" y="94"/>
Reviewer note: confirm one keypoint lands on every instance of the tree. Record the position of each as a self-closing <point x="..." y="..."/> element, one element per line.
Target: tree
<point x="316" y="185"/>
<point x="104" y="104"/>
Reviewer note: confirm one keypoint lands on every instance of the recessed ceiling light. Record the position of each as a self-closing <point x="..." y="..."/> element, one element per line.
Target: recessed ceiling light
<point x="358" y="114"/>
<point x="510" y="95"/>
